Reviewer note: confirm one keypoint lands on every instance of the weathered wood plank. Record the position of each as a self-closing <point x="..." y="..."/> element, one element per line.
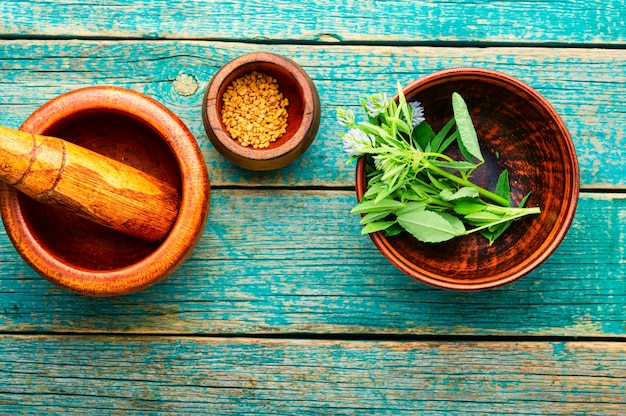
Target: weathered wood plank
<point x="79" y="375"/>
<point x="289" y="262"/>
<point x="539" y="21"/>
<point x="587" y="87"/>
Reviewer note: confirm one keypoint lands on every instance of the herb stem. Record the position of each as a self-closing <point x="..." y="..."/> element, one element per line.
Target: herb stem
<point x="439" y="202"/>
<point x="463" y="182"/>
<point x="439" y="155"/>
<point x="522" y="212"/>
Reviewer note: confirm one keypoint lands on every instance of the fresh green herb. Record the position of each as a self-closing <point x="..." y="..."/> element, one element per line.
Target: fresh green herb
<point x="413" y="185"/>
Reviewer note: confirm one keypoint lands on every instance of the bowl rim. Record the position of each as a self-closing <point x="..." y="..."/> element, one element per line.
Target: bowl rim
<point x="194" y="203"/>
<point x="567" y="213"/>
<point x="267" y="158"/>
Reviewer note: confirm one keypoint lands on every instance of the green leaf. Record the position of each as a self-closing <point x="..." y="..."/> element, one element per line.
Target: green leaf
<point x="466" y="153"/>
<point x="493" y="234"/>
<point x="395" y="229"/>
<point x="437" y="183"/>
<point x="431" y="227"/>
<point x="467" y="134"/>
<point x="403" y="105"/>
<point x="482" y="217"/>
<point x="387" y="192"/>
<point x="466" y="206"/>
<point x="489" y="235"/>
<point x="392" y="109"/>
<point x="465" y="192"/>
<point x="435" y="143"/>
<point x="409" y="194"/>
<point x="373" y="227"/>
<point x="386" y="123"/>
<point x="374" y="189"/>
<point x="374" y="216"/>
<point x="446" y="194"/>
<point x="392" y="175"/>
<point x="400" y="124"/>
<point x="422" y="135"/>
<point x="375" y="130"/>
<point x="423" y="190"/>
<point x="523" y="201"/>
<point x="455" y="222"/>
<point x="448" y="141"/>
<point x="388" y="205"/>
<point x="503" y="188"/>
<point x="411" y="207"/>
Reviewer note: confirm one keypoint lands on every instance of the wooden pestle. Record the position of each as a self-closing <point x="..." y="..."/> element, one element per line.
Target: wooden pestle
<point x="88" y="184"/>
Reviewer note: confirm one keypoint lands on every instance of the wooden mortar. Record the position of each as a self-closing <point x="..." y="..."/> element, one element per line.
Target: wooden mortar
<point x="65" y="245"/>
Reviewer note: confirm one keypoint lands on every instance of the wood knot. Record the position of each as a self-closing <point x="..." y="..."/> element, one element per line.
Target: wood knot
<point x="185" y="84"/>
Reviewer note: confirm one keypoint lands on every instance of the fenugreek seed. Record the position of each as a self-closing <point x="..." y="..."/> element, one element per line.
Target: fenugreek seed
<point x="254" y="111"/>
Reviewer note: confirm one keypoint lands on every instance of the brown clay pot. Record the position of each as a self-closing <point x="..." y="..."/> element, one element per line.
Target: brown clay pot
<point x="534" y="145"/>
<point x="83" y="256"/>
<point x="303" y="111"/>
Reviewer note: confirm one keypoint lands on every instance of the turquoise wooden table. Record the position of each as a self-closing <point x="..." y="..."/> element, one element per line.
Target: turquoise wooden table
<point x="284" y="308"/>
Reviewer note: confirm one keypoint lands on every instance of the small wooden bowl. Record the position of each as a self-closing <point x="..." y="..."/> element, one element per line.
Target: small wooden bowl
<point x="534" y="145"/>
<point x="85" y="257"/>
<point x="303" y="111"/>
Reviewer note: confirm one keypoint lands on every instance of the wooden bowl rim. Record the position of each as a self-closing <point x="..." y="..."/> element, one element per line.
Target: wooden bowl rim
<point x="185" y="232"/>
<point x="268" y="158"/>
<point x="566" y="215"/>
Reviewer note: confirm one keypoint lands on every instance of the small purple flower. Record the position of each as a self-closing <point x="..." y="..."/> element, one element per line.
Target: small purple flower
<point x="345" y="117"/>
<point x="379" y="162"/>
<point x="356" y="142"/>
<point x="376" y="104"/>
<point x="417" y="113"/>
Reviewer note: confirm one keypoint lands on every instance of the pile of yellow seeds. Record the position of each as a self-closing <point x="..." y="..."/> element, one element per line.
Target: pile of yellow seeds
<point x="254" y="110"/>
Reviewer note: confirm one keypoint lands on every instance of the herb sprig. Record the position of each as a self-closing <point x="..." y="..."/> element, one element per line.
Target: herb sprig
<point x="414" y="185"/>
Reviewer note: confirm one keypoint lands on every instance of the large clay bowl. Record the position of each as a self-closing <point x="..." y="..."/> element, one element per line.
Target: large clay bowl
<point x="303" y="111"/>
<point x="516" y="122"/>
<point x="88" y="258"/>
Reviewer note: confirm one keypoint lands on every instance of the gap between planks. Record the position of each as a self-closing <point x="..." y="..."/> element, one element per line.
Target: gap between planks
<point x="330" y="337"/>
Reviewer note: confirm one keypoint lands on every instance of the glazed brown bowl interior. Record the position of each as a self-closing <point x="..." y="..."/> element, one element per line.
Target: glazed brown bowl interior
<point x="518" y="130"/>
<point x="303" y="111"/>
<point x="88" y="258"/>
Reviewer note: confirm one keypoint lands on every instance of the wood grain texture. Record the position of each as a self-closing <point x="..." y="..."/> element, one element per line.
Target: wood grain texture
<point x="112" y="375"/>
<point x="309" y="271"/>
<point x="279" y="260"/>
<point x="585" y="86"/>
<point x="486" y="21"/>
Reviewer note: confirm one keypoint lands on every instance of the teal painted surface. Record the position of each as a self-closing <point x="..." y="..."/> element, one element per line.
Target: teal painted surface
<point x="250" y="377"/>
<point x="289" y="262"/>
<point x="283" y="261"/>
<point x="536" y="21"/>
<point x="586" y="87"/>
